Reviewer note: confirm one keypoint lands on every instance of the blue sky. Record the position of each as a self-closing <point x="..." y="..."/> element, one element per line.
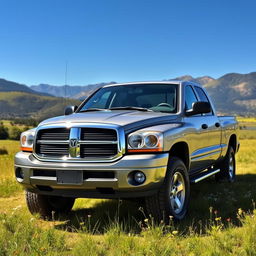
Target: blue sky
<point x="118" y="40"/>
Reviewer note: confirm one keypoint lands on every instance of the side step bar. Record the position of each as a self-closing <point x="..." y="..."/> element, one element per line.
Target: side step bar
<point x="203" y="175"/>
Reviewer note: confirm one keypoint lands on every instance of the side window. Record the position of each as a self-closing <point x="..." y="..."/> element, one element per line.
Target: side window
<point x="202" y="96"/>
<point x="190" y="97"/>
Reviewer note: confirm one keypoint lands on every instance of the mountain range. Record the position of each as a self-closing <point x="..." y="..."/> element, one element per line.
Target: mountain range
<point x="82" y="92"/>
<point x="232" y="93"/>
<point x="9" y="86"/>
<point x="68" y="91"/>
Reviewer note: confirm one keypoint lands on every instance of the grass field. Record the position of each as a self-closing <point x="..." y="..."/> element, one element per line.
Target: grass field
<point x="246" y="119"/>
<point x="221" y="219"/>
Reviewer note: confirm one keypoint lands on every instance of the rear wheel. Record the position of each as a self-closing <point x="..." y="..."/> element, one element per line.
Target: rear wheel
<point x="173" y="197"/>
<point x="227" y="167"/>
<point x="48" y="206"/>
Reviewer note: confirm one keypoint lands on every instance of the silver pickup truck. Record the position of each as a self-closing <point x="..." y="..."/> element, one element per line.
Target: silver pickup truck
<point x="145" y="140"/>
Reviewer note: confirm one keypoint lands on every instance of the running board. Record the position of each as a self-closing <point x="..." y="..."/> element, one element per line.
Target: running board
<point x="203" y="176"/>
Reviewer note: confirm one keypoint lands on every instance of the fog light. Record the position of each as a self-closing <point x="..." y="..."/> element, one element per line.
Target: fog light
<point x="139" y="177"/>
<point x="19" y="174"/>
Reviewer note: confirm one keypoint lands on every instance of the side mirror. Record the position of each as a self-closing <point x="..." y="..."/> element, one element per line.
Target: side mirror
<point x="199" y="107"/>
<point x="70" y="110"/>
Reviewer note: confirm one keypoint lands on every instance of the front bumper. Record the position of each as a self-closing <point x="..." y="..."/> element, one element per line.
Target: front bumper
<point x="118" y="186"/>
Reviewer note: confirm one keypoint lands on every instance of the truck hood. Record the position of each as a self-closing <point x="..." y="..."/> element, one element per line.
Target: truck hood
<point x="129" y="119"/>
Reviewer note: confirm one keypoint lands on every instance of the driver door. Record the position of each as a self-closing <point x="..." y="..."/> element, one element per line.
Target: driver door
<point x="196" y="135"/>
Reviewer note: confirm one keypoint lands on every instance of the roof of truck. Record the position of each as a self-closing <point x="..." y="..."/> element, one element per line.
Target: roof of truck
<point x="155" y="82"/>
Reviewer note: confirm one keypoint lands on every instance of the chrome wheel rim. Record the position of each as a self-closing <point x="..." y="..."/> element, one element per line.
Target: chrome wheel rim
<point x="231" y="168"/>
<point x="177" y="192"/>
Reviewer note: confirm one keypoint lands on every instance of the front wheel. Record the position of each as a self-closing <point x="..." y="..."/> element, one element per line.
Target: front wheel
<point x="173" y="197"/>
<point x="48" y="206"/>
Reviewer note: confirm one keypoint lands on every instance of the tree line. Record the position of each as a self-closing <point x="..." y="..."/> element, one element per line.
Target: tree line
<point x="16" y="127"/>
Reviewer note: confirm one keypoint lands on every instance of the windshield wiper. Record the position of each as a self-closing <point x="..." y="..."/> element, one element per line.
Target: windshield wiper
<point x="131" y="108"/>
<point x="93" y="109"/>
<point x="116" y="108"/>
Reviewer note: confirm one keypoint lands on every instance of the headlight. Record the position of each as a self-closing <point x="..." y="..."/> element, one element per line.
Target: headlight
<point x="145" y="142"/>
<point x="136" y="141"/>
<point x="27" y="140"/>
<point x="151" y="140"/>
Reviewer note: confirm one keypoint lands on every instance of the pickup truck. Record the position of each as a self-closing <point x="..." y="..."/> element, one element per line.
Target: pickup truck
<point x="143" y="140"/>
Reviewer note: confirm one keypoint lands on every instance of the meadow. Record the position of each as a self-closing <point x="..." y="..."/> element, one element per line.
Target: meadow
<point x="221" y="219"/>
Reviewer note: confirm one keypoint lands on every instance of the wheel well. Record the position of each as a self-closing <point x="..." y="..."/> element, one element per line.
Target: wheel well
<point x="232" y="142"/>
<point x="181" y="150"/>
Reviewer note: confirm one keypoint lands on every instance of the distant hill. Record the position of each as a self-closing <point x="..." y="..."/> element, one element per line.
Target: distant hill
<point x="58" y="91"/>
<point x="18" y="100"/>
<point x="22" y="104"/>
<point x="82" y="92"/>
<point x="232" y="93"/>
<point x="9" y="86"/>
<point x="201" y="80"/>
<point x="74" y="91"/>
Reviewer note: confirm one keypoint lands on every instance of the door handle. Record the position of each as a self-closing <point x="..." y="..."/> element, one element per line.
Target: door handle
<point x="204" y="126"/>
<point x="217" y="124"/>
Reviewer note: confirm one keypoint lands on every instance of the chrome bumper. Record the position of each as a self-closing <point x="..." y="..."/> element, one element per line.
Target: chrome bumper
<point x="152" y="165"/>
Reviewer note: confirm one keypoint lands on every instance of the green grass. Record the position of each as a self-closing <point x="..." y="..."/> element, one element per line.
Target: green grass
<point x="246" y="119"/>
<point x="247" y="127"/>
<point x="24" y="235"/>
<point x="8" y="184"/>
<point x="221" y="220"/>
<point x="247" y="134"/>
<point x="154" y="241"/>
<point x="20" y="235"/>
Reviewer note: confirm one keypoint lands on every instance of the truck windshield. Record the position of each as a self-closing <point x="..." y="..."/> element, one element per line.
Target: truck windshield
<point x="144" y="97"/>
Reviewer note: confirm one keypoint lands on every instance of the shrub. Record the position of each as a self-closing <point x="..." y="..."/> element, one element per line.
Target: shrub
<point x="25" y="121"/>
<point x="3" y="132"/>
<point x="14" y="133"/>
<point x="3" y="151"/>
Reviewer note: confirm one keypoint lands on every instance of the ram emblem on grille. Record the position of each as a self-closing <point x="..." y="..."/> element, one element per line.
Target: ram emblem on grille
<point x="74" y="145"/>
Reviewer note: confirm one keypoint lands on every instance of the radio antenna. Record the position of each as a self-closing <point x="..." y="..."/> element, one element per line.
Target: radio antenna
<point x="66" y="73"/>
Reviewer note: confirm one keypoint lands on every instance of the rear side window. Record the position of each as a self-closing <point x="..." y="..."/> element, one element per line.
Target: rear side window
<point x="190" y="97"/>
<point x="201" y="94"/>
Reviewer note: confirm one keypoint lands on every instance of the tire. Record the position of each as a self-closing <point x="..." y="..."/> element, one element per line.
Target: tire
<point x="173" y="197"/>
<point x="227" y="167"/>
<point x="48" y="206"/>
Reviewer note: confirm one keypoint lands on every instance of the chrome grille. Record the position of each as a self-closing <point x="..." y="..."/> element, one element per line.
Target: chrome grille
<point x="53" y="150"/>
<point x="98" y="134"/>
<point x="53" y="134"/>
<point x="94" y="150"/>
<point x="85" y="143"/>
